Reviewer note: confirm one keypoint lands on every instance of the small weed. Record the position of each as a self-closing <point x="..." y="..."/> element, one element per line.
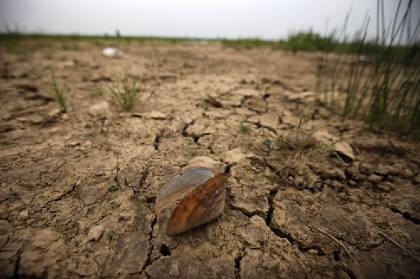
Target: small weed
<point x="194" y="152"/>
<point x="190" y="141"/>
<point x="113" y="188"/>
<point x="111" y="235"/>
<point x="244" y="128"/>
<point x="59" y="95"/>
<point x="125" y="93"/>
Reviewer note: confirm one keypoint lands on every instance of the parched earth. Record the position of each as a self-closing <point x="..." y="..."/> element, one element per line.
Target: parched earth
<point x="309" y="195"/>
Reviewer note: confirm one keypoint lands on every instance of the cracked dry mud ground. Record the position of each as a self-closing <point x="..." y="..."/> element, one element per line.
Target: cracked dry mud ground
<point x="295" y="208"/>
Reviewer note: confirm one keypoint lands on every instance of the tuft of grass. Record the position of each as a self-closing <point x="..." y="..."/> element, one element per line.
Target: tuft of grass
<point x="381" y="89"/>
<point x="59" y="95"/>
<point x="244" y="128"/>
<point x="113" y="188"/>
<point x="111" y="235"/>
<point x="125" y="93"/>
<point x="195" y="152"/>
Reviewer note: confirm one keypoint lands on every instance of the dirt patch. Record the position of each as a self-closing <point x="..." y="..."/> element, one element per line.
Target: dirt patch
<point x="78" y="189"/>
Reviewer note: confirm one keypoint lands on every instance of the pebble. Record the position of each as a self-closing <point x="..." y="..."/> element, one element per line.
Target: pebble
<point x="235" y="156"/>
<point x="204" y="161"/>
<point x="100" y="109"/>
<point x="385" y="187"/>
<point x="366" y="169"/>
<point x="344" y="150"/>
<point x="95" y="232"/>
<point x="111" y="52"/>
<point x="23" y="215"/>
<point x="381" y="170"/>
<point x="374" y="178"/>
<point x="352" y="183"/>
<point x="333" y="174"/>
<point x="406" y="173"/>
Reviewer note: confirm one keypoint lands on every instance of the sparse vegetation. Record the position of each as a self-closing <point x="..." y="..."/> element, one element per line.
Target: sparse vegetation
<point x="381" y="89"/>
<point x="113" y="188"/>
<point x="244" y="128"/>
<point x="59" y="95"/>
<point x="195" y="152"/>
<point x="125" y="93"/>
<point x="111" y="235"/>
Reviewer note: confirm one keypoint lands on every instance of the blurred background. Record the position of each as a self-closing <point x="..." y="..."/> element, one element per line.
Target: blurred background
<point x="263" y="19"/>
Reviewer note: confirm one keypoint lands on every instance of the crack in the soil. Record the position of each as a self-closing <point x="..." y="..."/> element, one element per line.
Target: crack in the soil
<point x="238" y="260"/>
<point x="269" y="216"/>
<point x="156" y="142"/>
<point x="193" y="136"/>
<point x="406" y="215"/>
<point x="149" y="261"/>
<point x="270" y="200"/>
<point x="184" y="129"/>
<point x="246" y="212"/>
<point x="17" y="265"/>
<point x="260" y="125"/>
<point x="349" y="272"/>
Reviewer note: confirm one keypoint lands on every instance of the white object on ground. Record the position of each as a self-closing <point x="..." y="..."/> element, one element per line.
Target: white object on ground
<point x="111" y="52"/>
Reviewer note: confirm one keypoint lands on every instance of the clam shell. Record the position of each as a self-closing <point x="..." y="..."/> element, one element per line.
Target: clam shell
<point x="191" y="199"/>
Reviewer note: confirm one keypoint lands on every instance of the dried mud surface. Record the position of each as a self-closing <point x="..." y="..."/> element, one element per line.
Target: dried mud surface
<point x="73" y="204"/>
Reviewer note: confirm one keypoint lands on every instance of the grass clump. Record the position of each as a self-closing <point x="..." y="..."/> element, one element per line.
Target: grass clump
<point x="195" y="153"/>
<point x="111" y="235"/>
<point x="59" y="95"/>
<point x="125" y="93"/>
<point x="381" y="89"/>
<point x="113" y="188"/>
<point x="244" y="128"/>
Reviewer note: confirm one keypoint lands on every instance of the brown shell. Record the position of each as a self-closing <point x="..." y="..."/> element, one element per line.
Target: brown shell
<point x="202" y="205"/>
<point x="191" y="199"/>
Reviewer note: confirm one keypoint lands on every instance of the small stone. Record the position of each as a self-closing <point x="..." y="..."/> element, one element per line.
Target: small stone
<point x="353" y="172"/>
<point x="204" y="161"/>
<point x="111" y="52"/>
<point x="385" y="187"/>
<point x="333" y="174"/>
<point x="352" y="183"/>
<point x="381" y="170"/>
<point x="100" y="109"/>
<point x="156" y="115"/>
<point x="23" y="215"/>
<point x="366" y="169"/>
<point x="336" y="184"/>
<point x="95" y="233"/>
<point x="313" y="251"/>
<point x="374" y="178"/>
<point x="125" y="216"/>
<point x="235" y="156"/>
<point x="54" y="113"/>
<point x="174" y="271"/>
<point x="344" y="150"/>
<point x="406" y="173"/>
<point x="87" y="143"/>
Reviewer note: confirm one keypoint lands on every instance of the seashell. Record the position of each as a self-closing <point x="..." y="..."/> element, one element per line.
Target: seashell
<point x="191" y="199"/>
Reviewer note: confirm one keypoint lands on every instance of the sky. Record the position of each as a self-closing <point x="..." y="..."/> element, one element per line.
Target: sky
<point x="265" y="19"/>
